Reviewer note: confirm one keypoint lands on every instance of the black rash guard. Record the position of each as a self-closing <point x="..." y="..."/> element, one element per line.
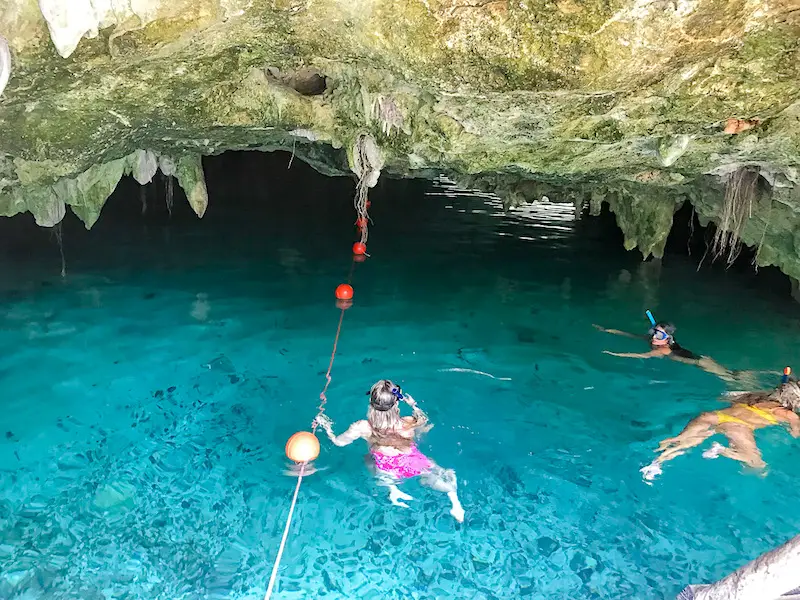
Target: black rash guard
<point x="682" y="352"/>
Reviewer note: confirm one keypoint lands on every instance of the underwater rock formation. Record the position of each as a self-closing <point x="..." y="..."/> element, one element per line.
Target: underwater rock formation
<point x="639" y="104"/>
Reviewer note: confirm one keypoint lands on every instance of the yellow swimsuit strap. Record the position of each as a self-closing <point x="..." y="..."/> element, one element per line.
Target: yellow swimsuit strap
<point x="726" y="418"/>
<point x="761" y="413"/>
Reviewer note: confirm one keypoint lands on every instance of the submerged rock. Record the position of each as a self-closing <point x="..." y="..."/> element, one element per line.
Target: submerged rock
<point x="547" y="546"/>
<point x="114" y="495"/>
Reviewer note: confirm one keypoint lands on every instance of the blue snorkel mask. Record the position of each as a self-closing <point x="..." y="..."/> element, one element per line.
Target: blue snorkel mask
<point x="383" y="403"/>
<point x="659" y="331"/>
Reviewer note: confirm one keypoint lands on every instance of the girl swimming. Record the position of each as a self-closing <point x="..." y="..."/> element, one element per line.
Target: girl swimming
<point x="749" y="411"/>
<point x="394" y="454"/>
<point x="661" y="338"/>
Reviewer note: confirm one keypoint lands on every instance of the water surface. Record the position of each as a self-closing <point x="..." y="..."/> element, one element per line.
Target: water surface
<point x="148" y="395"/>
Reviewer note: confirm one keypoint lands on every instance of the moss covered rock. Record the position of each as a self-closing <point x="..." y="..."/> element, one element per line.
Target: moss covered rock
<point x="622" y="101"/>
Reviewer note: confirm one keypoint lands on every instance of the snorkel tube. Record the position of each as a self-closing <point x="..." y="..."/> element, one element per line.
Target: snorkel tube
<point x="660" y="330"/>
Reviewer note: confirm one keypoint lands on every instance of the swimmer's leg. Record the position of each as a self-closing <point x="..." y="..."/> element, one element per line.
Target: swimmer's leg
<point x="695" y="433"/>
<point x="383" y="479"/>
<point x="444" y="480"/>
<point x="742" y="446"/>
<point x="696" y="428"/>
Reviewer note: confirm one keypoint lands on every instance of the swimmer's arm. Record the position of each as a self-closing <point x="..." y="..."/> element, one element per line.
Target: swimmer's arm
<point x="418" y="418"/>
<point x="789" y="416"/>
<point x="651" y="354"/>
<point x="358" y="430"/>
<point x="619" y="332"/>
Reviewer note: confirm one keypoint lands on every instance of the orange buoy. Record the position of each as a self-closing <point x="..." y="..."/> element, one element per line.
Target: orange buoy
<point x="361" y="222"/>
<point x="787" y="371"/>
<point x="359" y="248"/>
<point x="344" y="292"/>
<point x="302" y="447"/>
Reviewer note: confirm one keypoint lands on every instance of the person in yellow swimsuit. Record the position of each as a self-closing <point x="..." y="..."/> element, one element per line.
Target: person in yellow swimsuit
<point x="750" y="411"/>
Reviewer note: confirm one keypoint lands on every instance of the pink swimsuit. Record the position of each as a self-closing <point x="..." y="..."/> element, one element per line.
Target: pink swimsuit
<point x="402" y="466"/>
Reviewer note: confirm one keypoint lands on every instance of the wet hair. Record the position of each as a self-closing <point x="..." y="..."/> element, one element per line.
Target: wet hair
<point x="786" y="394"/>
<point x="383" y="395"/>
<point x="383" y="415"/>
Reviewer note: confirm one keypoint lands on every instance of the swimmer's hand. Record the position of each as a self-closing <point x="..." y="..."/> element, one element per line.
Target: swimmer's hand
<point x="409" y="400"/>
<point x="325" y="422"/>
<point x="599" y="328"/>
<point x="651" y="354"/>
<point x="623" y="354"/>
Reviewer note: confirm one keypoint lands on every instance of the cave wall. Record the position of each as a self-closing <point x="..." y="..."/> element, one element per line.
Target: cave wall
<point x="642" y="104"/>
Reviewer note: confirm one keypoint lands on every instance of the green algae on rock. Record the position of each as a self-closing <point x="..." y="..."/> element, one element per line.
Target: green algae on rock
<point x="617" y="101"/>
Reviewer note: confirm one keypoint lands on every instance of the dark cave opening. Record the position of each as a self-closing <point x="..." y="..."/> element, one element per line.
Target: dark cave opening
<point x="262" y="186"/>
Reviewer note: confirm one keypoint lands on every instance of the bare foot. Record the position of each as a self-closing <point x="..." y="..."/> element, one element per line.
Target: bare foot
<point x="457" y="510"/>
<point x="714" y="451"/>
<point x="650" y="471"/>
<point x="396" y="497"/>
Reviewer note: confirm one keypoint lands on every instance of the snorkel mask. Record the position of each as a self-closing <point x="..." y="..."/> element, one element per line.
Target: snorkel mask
<point x="382" y="402"/>
<point x="660" y="333"/>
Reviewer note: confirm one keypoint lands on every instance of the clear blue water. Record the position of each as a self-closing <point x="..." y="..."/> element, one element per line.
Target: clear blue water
<point x="147" y="398"/>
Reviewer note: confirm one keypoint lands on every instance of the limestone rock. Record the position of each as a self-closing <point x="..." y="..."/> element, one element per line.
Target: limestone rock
<point x="5" y="64"/>
<point x="144" y="165"/>
<point x="625" y="102"/>
<point x="189" y="172"/>
<point x="88" y="192"/>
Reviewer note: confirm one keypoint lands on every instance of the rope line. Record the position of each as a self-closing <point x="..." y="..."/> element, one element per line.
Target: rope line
<point x="361" y="208"/>
<point x="323" y="399"/>
<point x="273" y="578"/>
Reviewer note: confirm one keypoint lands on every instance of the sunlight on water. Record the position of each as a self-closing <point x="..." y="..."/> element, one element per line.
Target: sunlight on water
<point x="148" y="396"/>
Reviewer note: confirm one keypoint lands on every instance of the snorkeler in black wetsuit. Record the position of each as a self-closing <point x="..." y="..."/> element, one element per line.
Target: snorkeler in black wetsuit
<point x="661" y="337"/>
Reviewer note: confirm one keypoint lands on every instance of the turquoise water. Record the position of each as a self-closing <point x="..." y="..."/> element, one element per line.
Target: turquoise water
<point x="148" y="395"/>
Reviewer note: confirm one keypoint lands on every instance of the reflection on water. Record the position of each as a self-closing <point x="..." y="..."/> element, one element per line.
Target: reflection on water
<point x="551" y="220"/>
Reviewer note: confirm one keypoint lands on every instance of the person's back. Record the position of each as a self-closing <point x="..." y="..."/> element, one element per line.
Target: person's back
<point x="393" y="450"/>
<point x="737" y="422"/>
<point x="757" y="415"/>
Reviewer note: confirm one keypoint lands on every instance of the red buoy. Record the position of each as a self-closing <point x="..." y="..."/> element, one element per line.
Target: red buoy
<point x="359" y="248"/>
<point x="344" y="292"/>
<point x="361" y="222"/>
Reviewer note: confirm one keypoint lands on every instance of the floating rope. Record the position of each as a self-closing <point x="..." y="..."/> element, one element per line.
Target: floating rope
<point x="361" y="209"/>
<point x="274" y="576"/>
<point x="323" y="399"/>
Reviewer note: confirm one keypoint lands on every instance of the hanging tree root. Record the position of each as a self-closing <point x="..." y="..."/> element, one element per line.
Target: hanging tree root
<point x="741" y="191"/>
<point x="59" y="233"/>
<point x="367" y="165"/>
